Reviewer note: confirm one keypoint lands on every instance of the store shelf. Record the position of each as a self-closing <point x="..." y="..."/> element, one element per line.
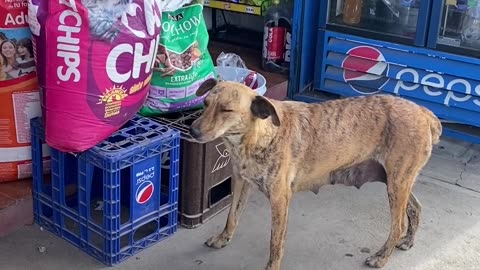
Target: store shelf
<point x="237" y="36"/>
<point x="235" y="7"/>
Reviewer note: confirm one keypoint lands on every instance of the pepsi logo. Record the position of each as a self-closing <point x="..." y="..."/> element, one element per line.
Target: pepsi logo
<point x="144" y="192"/>
<point x="365" y="69"/>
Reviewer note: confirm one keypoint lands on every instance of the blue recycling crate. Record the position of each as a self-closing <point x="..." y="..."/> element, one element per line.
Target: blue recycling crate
<point x="115" y="199"/>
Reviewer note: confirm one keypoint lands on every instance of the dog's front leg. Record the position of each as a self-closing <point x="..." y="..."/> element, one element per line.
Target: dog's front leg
<point x="280" y="201"/>
<point x="241" y="190"/>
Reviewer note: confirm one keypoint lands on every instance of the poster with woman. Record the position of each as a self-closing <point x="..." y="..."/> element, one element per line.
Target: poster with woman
<point x="16" y="51"/>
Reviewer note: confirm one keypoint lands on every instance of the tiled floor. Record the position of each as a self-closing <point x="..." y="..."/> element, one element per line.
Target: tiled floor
<point x="278" y="92"/>
<point x="16" y="207"/>
<point x="336" y="229"/>
<point x="11" y="192"/>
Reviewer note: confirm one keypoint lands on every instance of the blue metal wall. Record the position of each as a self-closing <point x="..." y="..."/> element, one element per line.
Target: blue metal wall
<point x="325" y="61"/>
<point x="304" y="44"/>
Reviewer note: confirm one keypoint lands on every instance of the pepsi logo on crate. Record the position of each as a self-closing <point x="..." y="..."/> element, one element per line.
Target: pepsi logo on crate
<point x="146" y="189"/>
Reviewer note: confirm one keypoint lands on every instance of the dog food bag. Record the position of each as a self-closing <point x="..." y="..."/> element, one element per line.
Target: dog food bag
<point x="19" y="96"/>
<point x="182" y="64"/>
<point x="94" y="61"/>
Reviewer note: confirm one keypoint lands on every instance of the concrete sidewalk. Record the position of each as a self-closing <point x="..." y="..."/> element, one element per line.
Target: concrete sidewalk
<point x="333" y="230"/>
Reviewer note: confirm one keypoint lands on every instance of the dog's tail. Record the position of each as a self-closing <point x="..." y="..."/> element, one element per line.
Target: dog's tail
<point x="435" y="126"/>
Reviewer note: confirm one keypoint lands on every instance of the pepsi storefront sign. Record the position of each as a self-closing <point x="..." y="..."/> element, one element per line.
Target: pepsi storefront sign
<point x="368" y="71"/>
<point x="434" y="84"/>
<point x="358" y="71"/>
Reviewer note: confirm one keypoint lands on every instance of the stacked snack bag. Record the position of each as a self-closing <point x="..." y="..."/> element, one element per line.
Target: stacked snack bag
<point x="100" y="58"/>
<point x="95" y="61"/>
<point x="105" y="61"/>
<point x="183" y="61"/>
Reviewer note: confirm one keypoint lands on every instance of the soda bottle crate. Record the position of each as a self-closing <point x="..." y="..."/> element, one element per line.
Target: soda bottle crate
<point x="205" y="173"/>
<point x="112" y="200"/>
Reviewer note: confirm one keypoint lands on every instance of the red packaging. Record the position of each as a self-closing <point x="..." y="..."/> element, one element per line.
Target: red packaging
<point x="19" y="95"/>
<point x="252" y="80"/>
<point x="275" y="43"/>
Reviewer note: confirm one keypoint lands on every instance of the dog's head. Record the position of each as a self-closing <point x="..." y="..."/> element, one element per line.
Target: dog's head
<point x="230" y="109"/>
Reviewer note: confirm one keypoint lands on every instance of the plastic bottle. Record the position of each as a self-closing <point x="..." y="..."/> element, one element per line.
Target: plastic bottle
<point x="352" y="11"/>
<point x="277" y="28"/>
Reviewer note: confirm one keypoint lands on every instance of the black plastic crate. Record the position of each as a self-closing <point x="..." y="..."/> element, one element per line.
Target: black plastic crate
<point x="205" y="173"/>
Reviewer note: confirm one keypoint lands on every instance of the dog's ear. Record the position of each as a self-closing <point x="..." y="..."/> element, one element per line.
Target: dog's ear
<point x="262" y="108"/>
<point x="206" y="86"/>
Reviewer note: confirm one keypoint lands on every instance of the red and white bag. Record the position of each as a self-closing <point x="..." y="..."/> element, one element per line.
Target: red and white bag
<point x="19" y="96"/>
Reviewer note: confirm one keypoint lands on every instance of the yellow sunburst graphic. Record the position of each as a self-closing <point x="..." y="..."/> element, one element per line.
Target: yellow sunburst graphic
<point x="113" y="94"/>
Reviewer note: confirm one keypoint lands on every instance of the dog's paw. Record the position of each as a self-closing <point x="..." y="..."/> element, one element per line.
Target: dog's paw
<point x="218" y="241"/>
<point x="272" y="266"/>
<point x="405" y="243"/>
<point x="376" y="261"/>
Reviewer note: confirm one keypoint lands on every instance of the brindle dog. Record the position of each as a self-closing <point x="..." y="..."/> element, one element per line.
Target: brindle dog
<point x="285" y="147"/>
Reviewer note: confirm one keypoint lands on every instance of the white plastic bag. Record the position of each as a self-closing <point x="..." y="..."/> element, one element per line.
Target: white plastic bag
<point x="232" y="60"/>
<point x="172" y="5"/>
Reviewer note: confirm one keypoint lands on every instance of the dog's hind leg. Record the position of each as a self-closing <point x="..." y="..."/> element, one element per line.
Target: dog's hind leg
<point x="240" y="196"/>
<point x="399" y="186"/>
<point x="414" y="208"/>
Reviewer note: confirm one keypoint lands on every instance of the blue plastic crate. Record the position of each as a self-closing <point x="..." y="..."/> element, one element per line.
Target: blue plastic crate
<point x="115" y="199"/>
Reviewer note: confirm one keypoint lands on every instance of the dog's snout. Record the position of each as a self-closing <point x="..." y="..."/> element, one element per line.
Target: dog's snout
<point x="195" y="132"/>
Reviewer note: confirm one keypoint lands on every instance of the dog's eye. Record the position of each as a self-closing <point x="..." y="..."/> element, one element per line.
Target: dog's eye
<point x="226" y="110"/>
